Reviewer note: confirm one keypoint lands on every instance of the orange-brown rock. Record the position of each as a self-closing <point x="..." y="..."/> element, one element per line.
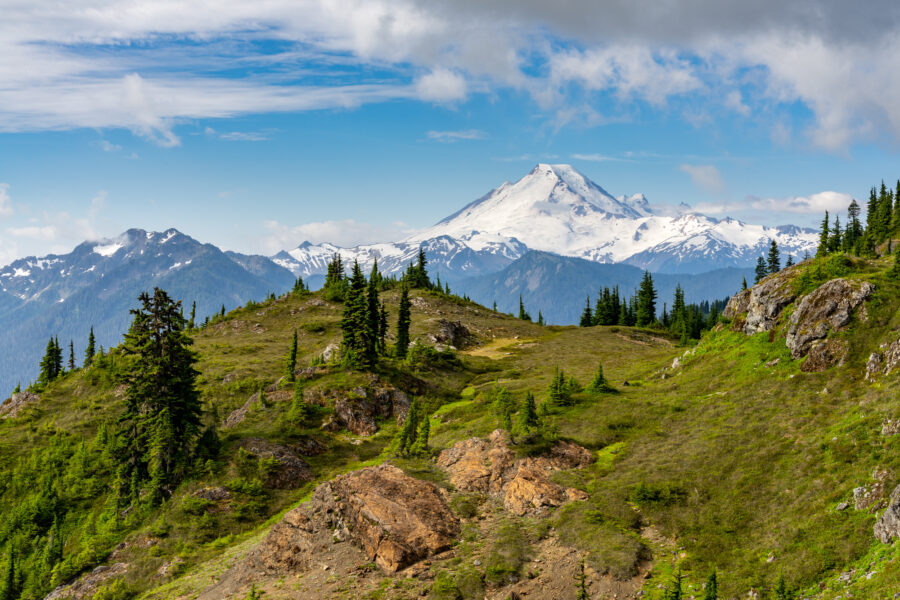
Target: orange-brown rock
<point x="524" y="485"/>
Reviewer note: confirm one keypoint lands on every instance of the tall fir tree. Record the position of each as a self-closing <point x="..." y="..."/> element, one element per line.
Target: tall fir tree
<point x="403" y="321"/>
<point x="291" y="362"/>
<point x="587" y="315"/>
<point x="359" y="339"/>
<point x="836" y="239"/>
<point x="90" y="350"/>
<point x="711" y="592"/>
<point x="773" y="263"/>
<point x="824" y="233"/>
<point x="71" y="355"/>
<point x="162" y="413"/>
<point x="192" y="322"/>
<point x="528" y="417"/>
<point x="761" y="269"/>
<point x="789" y="262"/>
<point x="382" y="328"/>
<point x="523" y="314"/>
<point x="9" y="588"/>
<point x="646" y="302"/>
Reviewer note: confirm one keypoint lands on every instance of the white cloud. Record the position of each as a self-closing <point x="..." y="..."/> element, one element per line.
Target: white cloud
<point x="108" y="146"/>
<point x="346" y="233"/>
<point x="244" y="136"/>
<point x="706" y="177"/>
<point x="441" y="85"/>
<point x="6" y="207"/>
<point x="594" y="157"/>
<point x="814" y="204"/>
<point x="455" y="136"/>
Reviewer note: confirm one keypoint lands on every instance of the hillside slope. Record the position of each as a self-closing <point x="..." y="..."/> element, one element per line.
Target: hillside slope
<point x="743" y="455"/>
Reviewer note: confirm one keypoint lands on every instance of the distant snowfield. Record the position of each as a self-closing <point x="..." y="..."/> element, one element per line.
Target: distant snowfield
<point x="555" y="208"/>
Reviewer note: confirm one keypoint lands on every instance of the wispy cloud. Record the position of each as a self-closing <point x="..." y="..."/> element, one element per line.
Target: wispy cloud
<point x="345" y="233"/>
<point x="596" y="157"/>
<point x="6" y="207"/>
<point x="244" y="136"/>
<point x="706" y="177"/>
<point x="108" y="146"/>
<point x="455" y="136"/>
<point x="814" y="204"/>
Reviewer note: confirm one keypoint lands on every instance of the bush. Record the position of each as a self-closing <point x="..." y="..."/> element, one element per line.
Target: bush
<point x="444" y="588"/>
<point x="659" y="494"/>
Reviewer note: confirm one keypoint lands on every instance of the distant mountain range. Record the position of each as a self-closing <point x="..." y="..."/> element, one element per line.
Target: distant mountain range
<point x="98" y="282"/>
<point x="556" y="209"/>
<point x="552" y="237"/>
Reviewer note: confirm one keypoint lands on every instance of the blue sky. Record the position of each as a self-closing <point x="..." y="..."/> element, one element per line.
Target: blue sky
<point x="255" y="126"/>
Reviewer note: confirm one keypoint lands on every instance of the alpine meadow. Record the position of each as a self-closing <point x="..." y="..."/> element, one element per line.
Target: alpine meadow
<point x="325" y="300"/>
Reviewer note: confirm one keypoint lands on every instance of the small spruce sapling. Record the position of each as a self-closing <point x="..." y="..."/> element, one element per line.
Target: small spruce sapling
<point x="291" y="363"/>
<point x="599" y="384"/>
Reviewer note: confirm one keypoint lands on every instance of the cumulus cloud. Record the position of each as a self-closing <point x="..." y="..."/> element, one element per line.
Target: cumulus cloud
<point x="814" y="204"/>
<point x="118" y="63"/>
<point x="345" y="233"/>
<point x="6" y="207"/>
<point x="442" y="85"/>
<point x="455" y="136"/>
<point x="706" y="177"/>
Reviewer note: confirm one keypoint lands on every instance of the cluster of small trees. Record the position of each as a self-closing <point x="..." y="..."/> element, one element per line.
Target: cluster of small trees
<point x="770" y="264"/>
<point x="687" y="321"/>
<point x="881" y="224"/>
<point x="675" y="589"/>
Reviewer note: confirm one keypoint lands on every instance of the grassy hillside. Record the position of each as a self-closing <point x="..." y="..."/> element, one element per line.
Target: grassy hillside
<point x="735" y="460"/>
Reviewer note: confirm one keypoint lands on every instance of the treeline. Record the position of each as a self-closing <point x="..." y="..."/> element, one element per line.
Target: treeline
<point x="687" y="321"/>
<point x="881" y="225"/>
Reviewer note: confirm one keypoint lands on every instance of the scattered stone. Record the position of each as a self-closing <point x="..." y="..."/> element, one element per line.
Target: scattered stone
<point x="871" y="497"/>
<point x="290" y="472"/>
<point x="825" y="354"/>
<point x="229" y="378"/>
<point x="773" y="362"/>
<point x="170" y="568"/>
<point x="13" y="405"/>
<point x="490" y="466"/>
<point x="214" y="494"/>
<point x="843" y="506"/>
<point x="883" y="361"/>
<point x="890" y="427"/>
<point x="331" y="353"/>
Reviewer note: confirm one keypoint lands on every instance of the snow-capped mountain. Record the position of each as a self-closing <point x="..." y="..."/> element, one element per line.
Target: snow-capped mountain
<point x="556" y="209"/>
<point x="99" y="281"/>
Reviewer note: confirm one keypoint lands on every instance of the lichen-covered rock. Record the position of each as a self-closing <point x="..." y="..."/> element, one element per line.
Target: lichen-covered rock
<point x="827" y="308"/>
<point x="762" y="303"/>
<point x="524" y="485"/>
<point x="289" y="472"/>
<point x="888" y="525"/>
<point x="13" y="405"/>
<point x="359" y="410"/>
<point x="453" y="333"/>
<point x="870" y="497"/>
<point x="883" y="361"/>
<point x="890" y="427"/>
<point x="824" y="354"/>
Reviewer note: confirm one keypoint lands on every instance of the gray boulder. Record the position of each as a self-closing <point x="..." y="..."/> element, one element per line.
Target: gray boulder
<point x="828" y="308"/>
<point x="888" y="526"/>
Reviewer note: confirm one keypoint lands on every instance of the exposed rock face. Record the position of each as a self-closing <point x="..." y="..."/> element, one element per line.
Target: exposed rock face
<point x="824" y="354"/>
<point x="870" y="497"/>
<point x="828" y="308"/>
<point x="763" y="302"/>
<point x="737" y="305"/>
<point x="13" y="405"/>
<point x="359" y="410"/>
<point x="453" y="333"/>
<point x="291" y="471"/>
<point x="214" y="494"/>
<point x="884" y="361"/>
<point x="888" y="526"/>
<point x="87" y="585"/>
<point x="524" y="484"/>
<point x="394" y="519"/>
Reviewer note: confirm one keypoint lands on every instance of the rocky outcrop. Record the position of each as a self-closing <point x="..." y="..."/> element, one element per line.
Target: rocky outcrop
<point x="828" y="308"/>
<point x="763" y="302"/>
<point x="825" y="354"/>
<point x="887" y="528"/>
<point x="289" y="472"/>
<point x="88" y="584"/>
<point x="883" y="361"/>
<point x="871" y="497"/>
<point x="524" y="485"/>
<point x="359" y="410"/>
<point x="385" y="515"/>
<point x="453" y="334"/>
<point x="890" y="427"/>
<point x="13" y="405"/>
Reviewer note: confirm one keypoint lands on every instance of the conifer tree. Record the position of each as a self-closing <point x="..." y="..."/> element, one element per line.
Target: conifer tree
<point x="528" y="417"/>
<point x="836" y="239"/>
<point x="71" y="355"/>
<point x="790" y="261"/>
<point x="162" y="404"/>
<point x="559" y="392"/>
<point x="291" y="363"/>
<point x="824" y="232"/>
<point x="646" y="302"/>
<point x="854" y="232"/>
<point x="774" y="261"/>
<point x="674" y="591"/>
<point x="743" y="283"/>
<point x="373" y="314"/>
<point x="761" y="269"/>
<point x="8" y="586"/>
<point x="406" y="436"/>
<point x="300" y="409"/>
<point x="599" y="384"/>
<point x="423" y="430"/>
<point x="495" y="306"/>
<point x="382" y="329"/>
<point x="90" y="350"/>
<point x="540" y="320"/>
<point x="504" y="406"/>
<point x="582" y="583"/>
<point x="712" y="587"/>
<point x="781" y="590"/>
<point x="359" y="339"/>
<point x="523" y="314"/>
<point x="587" y="316"/>
<point x="403" y="321"/>
<point x="49" y="365"/>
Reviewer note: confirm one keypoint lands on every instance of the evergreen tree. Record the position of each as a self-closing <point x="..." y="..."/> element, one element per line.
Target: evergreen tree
<point x="540" y="320"/>
<point x="291" y="363"/>
<point x="824" y="232"/>
<point x="504" y="406"/>
<point x="71" y="355"/>
<point x="774" y="262"/>
<point x="761" y="269"/>
<point x="894" y="271"/>
<point x="781" y="590"/>
<point x="788" y="263"/>
<point x="162" y="404"/>
<point x="528" y="417"/>
<point x="50" y="364"/>
<point x="599" y="384"/>
<point x="417" y="275"/>
<point x="373" y="313"/>
<point x="420" y="446"/>
<point x="192" y="322"/>
<point x="335" y="286"/>
<point x="854" y="232"/>
<point x="559" y="392"/>
<point x="836" y="239"/>
<point x="358" y="348"/>
<point x="744" y="284"/>
<point x="403" y="321"/>
<point x="674" y="591"/>
<point x="587" y="317"/>
<point x="712" y="587"/>
<point x="9" y="589"/>
<point x="646" y="302"/>
<point x="300" y="409"/>
<point x="382" y="329"/>
<point x="582" y="583"/>
<point x="406" y="436"/>
<point x="495" y="306"/>
<point x="523" y="314"/>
